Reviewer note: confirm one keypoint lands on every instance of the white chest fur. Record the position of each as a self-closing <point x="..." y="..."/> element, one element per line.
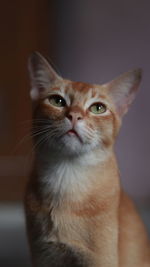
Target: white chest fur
<point x="66" y="178"/>
<point x="71" y="177"/>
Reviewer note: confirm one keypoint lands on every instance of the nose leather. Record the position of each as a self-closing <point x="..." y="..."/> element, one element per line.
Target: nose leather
<point x="74" y="117"/>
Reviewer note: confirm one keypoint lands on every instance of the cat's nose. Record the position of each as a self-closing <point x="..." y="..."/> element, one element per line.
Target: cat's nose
<point x="74" y="117"/>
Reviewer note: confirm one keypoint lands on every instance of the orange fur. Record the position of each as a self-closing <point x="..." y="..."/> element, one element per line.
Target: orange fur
<point x="77" y="213"/>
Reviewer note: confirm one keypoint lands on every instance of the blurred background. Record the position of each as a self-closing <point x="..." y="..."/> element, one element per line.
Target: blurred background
<point x="91" y="41"/>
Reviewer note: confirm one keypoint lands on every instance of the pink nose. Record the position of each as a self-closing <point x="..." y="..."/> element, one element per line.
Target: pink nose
<point x="74" y="117"/>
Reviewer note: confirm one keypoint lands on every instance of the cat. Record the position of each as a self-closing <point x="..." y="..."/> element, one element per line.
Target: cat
<point x="76" y="211"/>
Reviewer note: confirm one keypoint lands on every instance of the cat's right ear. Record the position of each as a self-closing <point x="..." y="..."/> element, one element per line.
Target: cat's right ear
<point x="42" y="75"/>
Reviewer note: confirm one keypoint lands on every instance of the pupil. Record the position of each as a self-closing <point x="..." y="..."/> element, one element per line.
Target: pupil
<point x="58" y="100"/>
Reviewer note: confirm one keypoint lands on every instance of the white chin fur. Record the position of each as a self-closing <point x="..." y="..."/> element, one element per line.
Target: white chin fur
<point x="71" y="144"/>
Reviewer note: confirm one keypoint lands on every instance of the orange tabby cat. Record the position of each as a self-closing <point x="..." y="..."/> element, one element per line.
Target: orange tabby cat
<point x="77" y="214"/>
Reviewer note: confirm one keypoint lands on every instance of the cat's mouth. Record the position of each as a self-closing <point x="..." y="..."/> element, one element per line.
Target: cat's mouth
<point x="74" y="133"/>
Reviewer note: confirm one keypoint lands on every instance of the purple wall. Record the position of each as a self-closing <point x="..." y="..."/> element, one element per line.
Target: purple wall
<point x="98" y="40"/>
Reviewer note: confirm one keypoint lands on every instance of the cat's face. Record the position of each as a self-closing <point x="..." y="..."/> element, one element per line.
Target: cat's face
<point x="74" y="118"/>
<point x="79" y="117"/>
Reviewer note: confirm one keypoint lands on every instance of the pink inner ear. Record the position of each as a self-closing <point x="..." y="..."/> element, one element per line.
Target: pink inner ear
<point x="124" y="104"/>
<point x="126" y="99"/>
<point x="123" y="90"/>
<point x="42" y="75"/>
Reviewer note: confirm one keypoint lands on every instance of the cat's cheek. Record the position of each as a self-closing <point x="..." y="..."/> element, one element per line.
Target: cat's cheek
<point x="106" y="142"/>
<point x="97" y="132"/>
<point x="106" y="136"/>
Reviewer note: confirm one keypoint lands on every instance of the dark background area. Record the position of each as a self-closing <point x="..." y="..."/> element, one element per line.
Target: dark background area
<point x="91" y="41"/>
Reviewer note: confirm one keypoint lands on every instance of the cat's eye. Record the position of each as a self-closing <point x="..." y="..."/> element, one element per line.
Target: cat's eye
<point x="57" y="101"/>
<point x="98" y="108"/>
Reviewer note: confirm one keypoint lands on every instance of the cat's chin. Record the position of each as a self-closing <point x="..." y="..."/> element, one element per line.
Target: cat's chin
<point x="71" y="145"/>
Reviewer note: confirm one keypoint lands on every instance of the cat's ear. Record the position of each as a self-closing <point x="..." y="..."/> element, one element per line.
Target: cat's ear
<point x="42" y="75"/>
<point x="123" y="89"/>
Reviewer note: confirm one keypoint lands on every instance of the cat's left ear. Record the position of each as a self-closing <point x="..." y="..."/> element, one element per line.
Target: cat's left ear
<point x="123" y="89"/>
<point x="42" y="75"/>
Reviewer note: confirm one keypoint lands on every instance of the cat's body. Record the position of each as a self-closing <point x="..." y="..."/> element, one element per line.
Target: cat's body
<point x="77" y="213"/>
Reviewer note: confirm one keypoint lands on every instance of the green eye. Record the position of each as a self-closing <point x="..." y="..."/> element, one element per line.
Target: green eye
<point x="98" y="108"/>
<point x="57" y="101"/>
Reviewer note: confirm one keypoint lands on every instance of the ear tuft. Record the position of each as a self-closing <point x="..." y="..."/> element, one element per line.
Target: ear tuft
<point x="123" y="89"/>
<point x="42" y="75"/>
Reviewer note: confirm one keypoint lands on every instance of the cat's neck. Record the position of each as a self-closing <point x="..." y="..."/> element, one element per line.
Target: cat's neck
<point x="75" y="176"/>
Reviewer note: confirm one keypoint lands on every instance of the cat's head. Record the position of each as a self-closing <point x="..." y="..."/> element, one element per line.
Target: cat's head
<point x="74" y="117"/>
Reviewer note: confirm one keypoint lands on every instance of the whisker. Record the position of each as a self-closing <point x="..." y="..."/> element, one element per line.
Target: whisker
<point x="24" y="139"/>
<point x="29" y="136"/>
<point x="41" y="141"/>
